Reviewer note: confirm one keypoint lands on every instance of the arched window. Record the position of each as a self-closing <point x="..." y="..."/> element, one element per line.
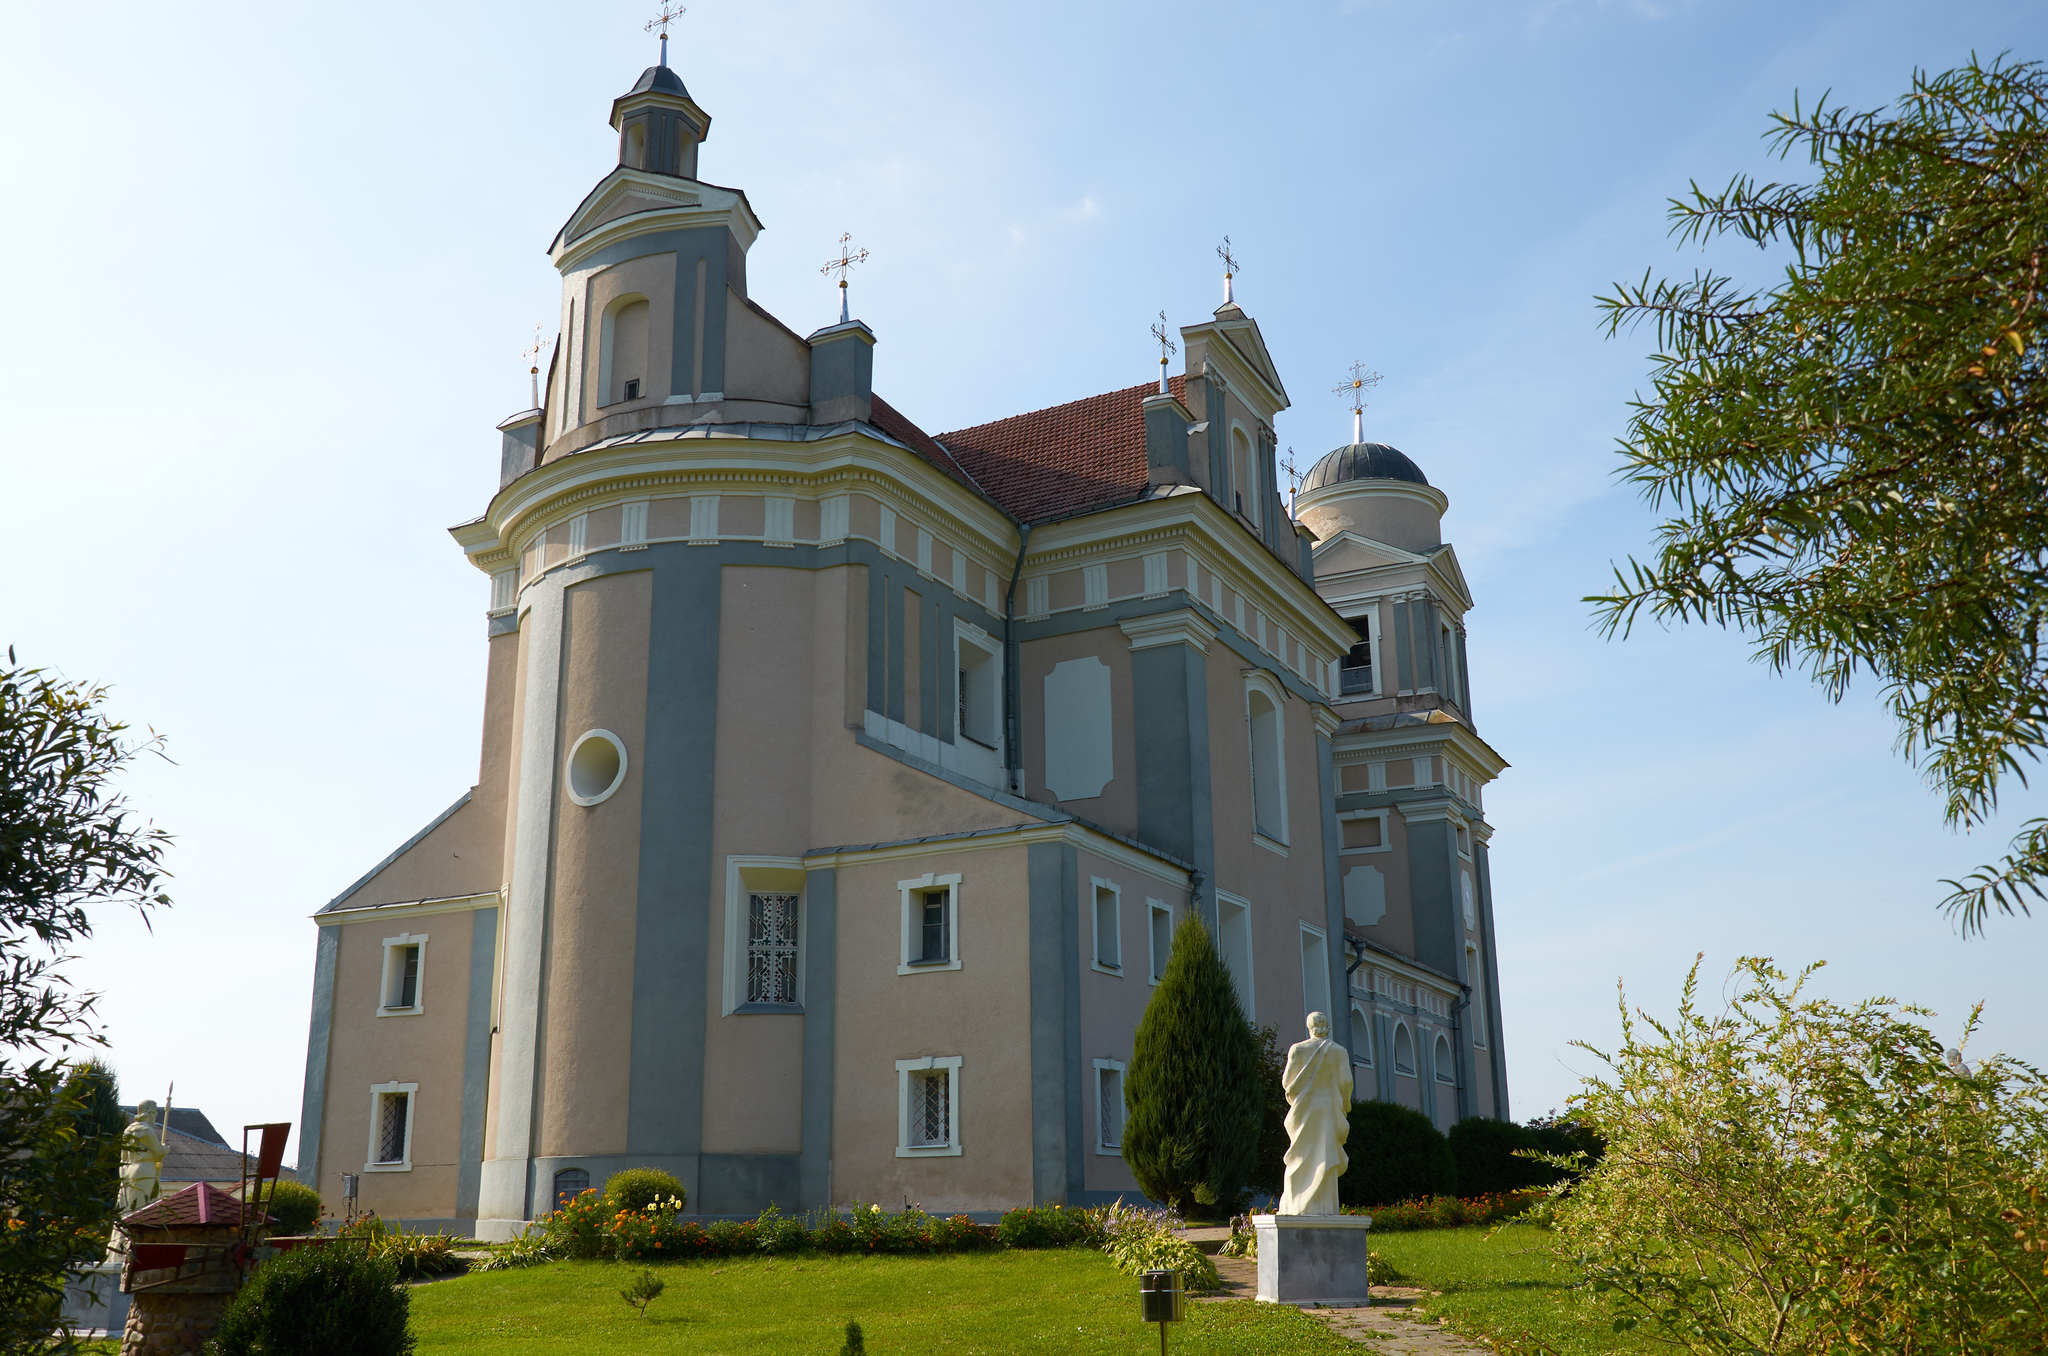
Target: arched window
<point x="1404" y="1050"/>
<point x="622" y="351"/>
<point x="569" y="1184"/>
<point x="1361" y="1036"/>
<point x="1446" y="1068"/>
<point x="1268" y="758"/>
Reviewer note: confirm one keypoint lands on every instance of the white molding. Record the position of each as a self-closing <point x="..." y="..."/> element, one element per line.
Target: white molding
<point x="1249" y="998"/>
<point x="1155" y="574"/>
<point x="1443" y="1042"/>
<point x="419" y="984"/>
<point x="633" y="524"/>
<point x="371" y="1163"/>
<point x="967" y="633"/>
<point x="1179" y="627"/>
<point x="835" y="518"/>
<point x="703" y="519"/>
<point x="1360" y="1008"/>
<point x="918" y="885"/>
<point x="923" y="1064"/>
<point x="409" y="908"/>
<point x="1094" y="586"/>
<point x="1037" y="596"/>
<point x="1102" y="1145"/>
<point x="1256" y="680"/>
<point x="744" y="875"/>
<point x="618" y="779"/>
<point x="1322" y="937"/>
<point x="1394" y="1054"/>
<point x="1096" y="885"/>
<point x="778" y="520"/>
<point x="1383" y="815"/>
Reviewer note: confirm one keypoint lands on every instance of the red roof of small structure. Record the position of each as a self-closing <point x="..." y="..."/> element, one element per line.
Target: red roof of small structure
<point x="1066" y="459"/>
<point x="197" y="1205"/>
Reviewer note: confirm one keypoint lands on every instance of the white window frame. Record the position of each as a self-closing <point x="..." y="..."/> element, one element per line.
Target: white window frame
<point x="1096" y="885"/>
<point x="927" y="1064"/>
<point x="1102" y="1144"/>
<point x="378" y="1092"/>
<point x="1322" y="940"/>
<point x="912" y="893"/>
<point x="1394" y="1055"/>
<point x="1158" y="958"/>
<point x="968" y="634"/>
<point x="393" y="946"/>
<point x="1246" y="999"/>
<point x="745" y="875"/>
<point x="569" y="764"/>
<point x="1371" y="618"/>
<point x="1443" y="1042"/>
<point x="1386" y="841"/>
<point x="1361" y="1035"/>
<point x="1258" y="681"/>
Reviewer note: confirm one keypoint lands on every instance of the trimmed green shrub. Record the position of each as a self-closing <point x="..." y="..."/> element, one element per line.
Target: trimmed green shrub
<point x="1569" y="1136"/>
<point x="336" y="1300"/>
<point x="1049" y="1226"/>
<point x="643" y="1189"/>
<point x="294" y="1209"/>
<point x="1193" y="1091"/>
<point x="1485" y="1151"/>
<point x="1396" y="1155"/>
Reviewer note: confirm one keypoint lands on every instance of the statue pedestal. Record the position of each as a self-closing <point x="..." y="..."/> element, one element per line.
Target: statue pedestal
<point x="1312" y="1259"/>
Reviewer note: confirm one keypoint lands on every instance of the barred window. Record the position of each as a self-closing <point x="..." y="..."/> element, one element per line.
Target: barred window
<point x="390" y="1127"/>
<point x="931" y="1109"/>
<point x="771" y="948"/>
<point x="569" y="1184"/>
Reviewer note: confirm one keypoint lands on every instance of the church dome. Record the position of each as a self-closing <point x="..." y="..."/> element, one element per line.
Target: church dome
<point x="1363" y="461"/>
<point x="658" y="80"/>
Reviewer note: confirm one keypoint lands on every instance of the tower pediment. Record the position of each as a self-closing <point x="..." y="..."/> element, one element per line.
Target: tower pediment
<point x="632" y="202"/>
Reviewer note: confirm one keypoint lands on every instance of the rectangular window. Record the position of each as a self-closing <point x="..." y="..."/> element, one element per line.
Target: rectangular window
<point x="1160" y="917"/>
<point x="771" y="948"/>
<point x="1234" y="939"/>
<point x="1315" y="970"/>
<point x="928" y="1106"/>
<point x="931" y="923"/>
<point x="1109" y="948"/>
<point x="1109" y="1106"/>
<point x="391" y="1127"/>
<point x="404" y="968"/>
<point x="1354" y="675"/>
<point x="934" y="930"/>
<point x="977" y="691"/>
<point x="1365" y="834"/>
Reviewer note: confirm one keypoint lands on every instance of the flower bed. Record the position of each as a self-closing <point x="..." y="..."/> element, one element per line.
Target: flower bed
<point x="1449" y="1212"/>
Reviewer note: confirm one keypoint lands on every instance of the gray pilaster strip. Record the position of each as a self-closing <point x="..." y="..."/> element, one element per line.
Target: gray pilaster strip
<point x="1070" y="939"/>
<point x="476" y="1060"/>
<point x="313" y="1104"/>
<point x="1171" y="736"/>
<point x="1432" y="876"/>
<point x="892" y="594"/>
<point x="1404" y="650"/>
<point x="1333" y="892"/>
<point x="1464" y="678"/>
<point x="1490" y="976"/>
<point x="672" y="929"/>
<point x="503" y="1193"/>
<point x="877" y="699"/>
<point x="1050" y="1004"/>
<point x="821" y="961"/>
<point x="929" y="643"/>
<point x="1383" y="1052"/>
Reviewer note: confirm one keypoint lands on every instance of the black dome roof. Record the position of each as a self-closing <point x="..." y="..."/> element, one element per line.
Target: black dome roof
<point x="1363" y="461"/>
<point x="658" y="79"/>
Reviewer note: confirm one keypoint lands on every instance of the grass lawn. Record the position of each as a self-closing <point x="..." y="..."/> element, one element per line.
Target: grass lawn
<point x="1506" y="1285"/>
<point x="1056" y="1301"/>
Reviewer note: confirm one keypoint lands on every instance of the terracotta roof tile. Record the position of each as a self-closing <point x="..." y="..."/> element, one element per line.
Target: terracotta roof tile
<point x="1085" y="454"/>
<point x="892" y="421"/>
<point x="197" y="1204"/>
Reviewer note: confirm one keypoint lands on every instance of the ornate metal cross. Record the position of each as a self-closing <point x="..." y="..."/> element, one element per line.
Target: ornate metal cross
<point x="1229" y="267"/>
<point x="669" y="14"/>
<point x="1293" y="479"/>
<point x="1363" y="379"/>
<point x="848" y="257"/>
<point x="532" y="355"/>
<point x="1167" y="348"/>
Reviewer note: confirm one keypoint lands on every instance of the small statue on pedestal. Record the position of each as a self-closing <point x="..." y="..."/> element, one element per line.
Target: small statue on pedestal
<point x="1317" y="1080"/>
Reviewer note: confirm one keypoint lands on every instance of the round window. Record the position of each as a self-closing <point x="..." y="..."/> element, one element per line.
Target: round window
<point x="597" y="764"/>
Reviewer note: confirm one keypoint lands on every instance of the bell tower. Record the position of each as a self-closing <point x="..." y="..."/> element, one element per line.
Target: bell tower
<point x="659" y="125"/>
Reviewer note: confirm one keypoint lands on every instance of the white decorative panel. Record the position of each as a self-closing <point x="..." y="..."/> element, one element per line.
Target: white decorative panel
<point x="1215" y="593"/>
<point x="1424" y="774"/>
<point x="835" y="516"/>
<point x="633" y="523"/>
<point x="778" y="522"/>
<point x="1155" y="574"/>
<point x="703" y="517"/>
<point x="960" y="573"/>
<point x="1237" y="607"/>
<point x="1079" y="753"/>
<point x="579" y="535"/>
<point x="989" y="598"/>
<point x="887" y="530"/>
<point x="504" y="590"/>
<point x="1365" y="895"/>
<point x="924" y="551"/>
<point x="1471" y="909"/>
<point x="1037" y="596"/>
<point x="1094" y="585"/>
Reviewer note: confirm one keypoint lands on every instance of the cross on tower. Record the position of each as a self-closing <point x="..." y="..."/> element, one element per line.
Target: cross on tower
<point x="669" y="14"/>
<point x="1363" y="379"/>
<point x="1229" y="267"/>
<point x="1293" y="479"/>
<point x="532" y="355"/>
<point x="1167" y="348"/>
<point x="848" y="257"/>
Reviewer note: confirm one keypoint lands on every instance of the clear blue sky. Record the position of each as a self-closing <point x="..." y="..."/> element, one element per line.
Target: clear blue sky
<point x="273" y="266"/>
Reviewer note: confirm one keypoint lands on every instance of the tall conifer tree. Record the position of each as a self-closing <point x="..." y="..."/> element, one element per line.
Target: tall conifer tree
<point x="1193" y="1092"/>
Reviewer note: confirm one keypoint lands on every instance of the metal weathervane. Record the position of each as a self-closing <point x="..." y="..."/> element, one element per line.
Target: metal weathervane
<point x="1363" y="379"/>
<point x="532" y="355"/>
<point x="1229" y="267"/>
<point x="1167" y="348"/>
<point x="848" y="257"/>
<point x="669" y="14"/>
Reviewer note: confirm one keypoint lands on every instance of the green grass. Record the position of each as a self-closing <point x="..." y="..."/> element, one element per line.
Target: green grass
<point x="1067" y="1300"/>
<point x="1507" y="1285"/>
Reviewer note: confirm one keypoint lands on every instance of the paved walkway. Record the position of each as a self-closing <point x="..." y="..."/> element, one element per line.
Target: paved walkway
<point x="1391" y="1325"/>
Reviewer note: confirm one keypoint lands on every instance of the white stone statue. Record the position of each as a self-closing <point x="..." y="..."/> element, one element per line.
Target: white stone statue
<point x="142" y="1160"/>
<point x="1318" y="1084"/>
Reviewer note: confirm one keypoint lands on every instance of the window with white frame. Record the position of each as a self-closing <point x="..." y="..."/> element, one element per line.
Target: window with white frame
<point x="1315" y="970"/>
<point x="978" y="661"/>
<point x="1404" y="1050"/>
<point x="1267" y="733"/>
<point x="1109" y="939"/>
<point x="1446" y="1069"/>
<point x="1109" y="1106"/>
<point x="1234" y="940"/>
<point x="1363" y="831"/>
<point x="1361" y="1036"/>
<point x="763" y="934"/>
<point x="404" y="965"/>
<point x="391" y="1127"/>
<point x="928" y="1106"/>
<point x="931" y="923"/>
<point x="1159" y="924"/>
<point x="1354" y="672"/>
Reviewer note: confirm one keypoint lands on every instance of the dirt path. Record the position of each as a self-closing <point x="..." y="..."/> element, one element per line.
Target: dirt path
<point x="1391" y="1325"/>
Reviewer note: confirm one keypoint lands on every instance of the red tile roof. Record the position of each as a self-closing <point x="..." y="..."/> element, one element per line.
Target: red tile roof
<point x="1085" y="454"/>
<point x="891" y="421"/>
<point x="197" y="1204"/>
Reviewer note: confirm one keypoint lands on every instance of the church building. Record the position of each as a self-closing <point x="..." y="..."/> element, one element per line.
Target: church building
<point x="842" y="784"/>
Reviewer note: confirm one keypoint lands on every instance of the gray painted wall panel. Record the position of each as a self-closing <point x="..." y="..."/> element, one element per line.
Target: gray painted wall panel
<point x="1433" y="891"/>
<point x="476" y="1059"/>
<point x="821" y="966"/>
<point x="1333" y="894"/>
<point x="1051" y="1000"/>
<point x="313" y="1102"/>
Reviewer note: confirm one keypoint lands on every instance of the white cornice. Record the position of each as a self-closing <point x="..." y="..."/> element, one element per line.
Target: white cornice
<point x="1180" y="627"/>
<point x="413" y="908"/>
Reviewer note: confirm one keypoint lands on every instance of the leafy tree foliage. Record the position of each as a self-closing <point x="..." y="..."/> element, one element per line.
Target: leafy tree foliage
<point x="339" y="1300"/>
<point x="1396" y="1155"/>
<point x="1193" y="1088"/>
<point x="1269" y="1171"/>
<point x="1855" y="458"/>
<point x="1795" y="1176"/>
<point x="66" y="841"/>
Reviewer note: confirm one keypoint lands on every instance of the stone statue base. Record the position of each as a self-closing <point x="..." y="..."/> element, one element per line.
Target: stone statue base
<point x="93" y="1301"/>
<point x="1312" y="1259"/>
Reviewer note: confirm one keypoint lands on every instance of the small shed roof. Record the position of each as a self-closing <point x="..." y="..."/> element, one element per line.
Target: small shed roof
<point x="198" y="1205"/>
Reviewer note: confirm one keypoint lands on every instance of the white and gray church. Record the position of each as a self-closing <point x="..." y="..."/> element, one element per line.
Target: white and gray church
<point x="842" y="783"/>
